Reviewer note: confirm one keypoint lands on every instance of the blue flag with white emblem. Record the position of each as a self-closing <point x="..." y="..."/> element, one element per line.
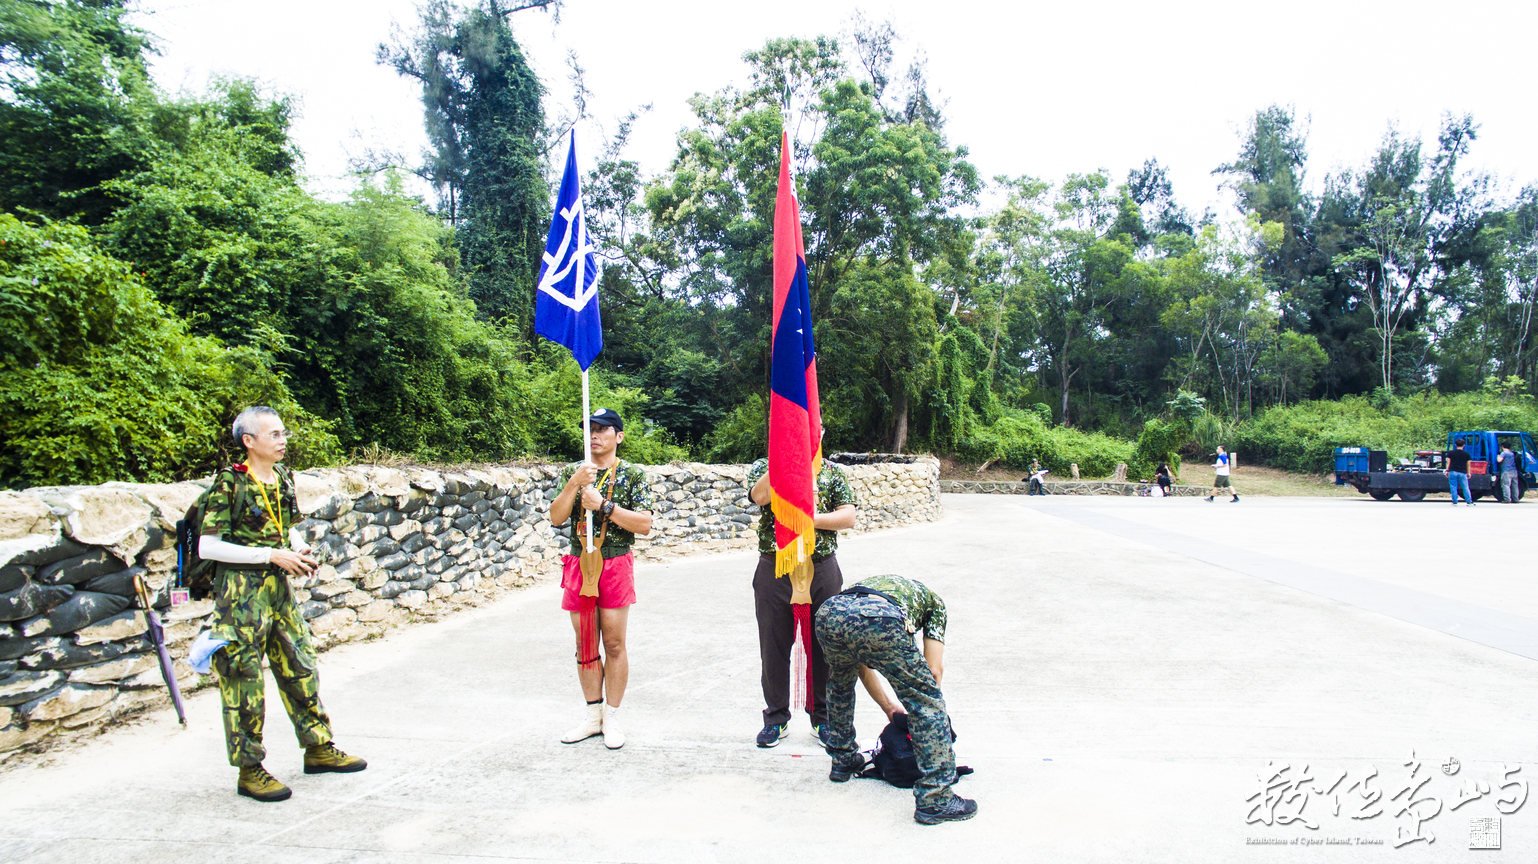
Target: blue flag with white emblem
<point x="566" y="299"/>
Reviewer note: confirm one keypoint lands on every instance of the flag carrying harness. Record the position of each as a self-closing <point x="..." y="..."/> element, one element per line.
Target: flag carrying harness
<point x="590" y="562"/>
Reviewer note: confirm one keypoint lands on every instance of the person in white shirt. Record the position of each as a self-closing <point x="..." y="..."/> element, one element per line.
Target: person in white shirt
<point x="1221" y="482"/>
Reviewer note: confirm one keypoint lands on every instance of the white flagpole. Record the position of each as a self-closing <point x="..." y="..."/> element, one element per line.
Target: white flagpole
<point x="587" y="451"/>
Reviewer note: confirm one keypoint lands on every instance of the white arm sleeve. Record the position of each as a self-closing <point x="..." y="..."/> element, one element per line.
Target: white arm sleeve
<point x="211" y="548"/>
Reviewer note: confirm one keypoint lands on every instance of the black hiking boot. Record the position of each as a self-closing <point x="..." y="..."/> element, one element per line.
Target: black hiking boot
<point x="842" y="774"/>
<point x="958" y="809"/>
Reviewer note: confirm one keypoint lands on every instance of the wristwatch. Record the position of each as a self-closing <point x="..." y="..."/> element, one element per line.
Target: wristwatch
<point x="607" y="508"/>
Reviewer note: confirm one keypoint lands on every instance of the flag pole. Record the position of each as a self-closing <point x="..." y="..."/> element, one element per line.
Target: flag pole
<point x="587" y="451"/>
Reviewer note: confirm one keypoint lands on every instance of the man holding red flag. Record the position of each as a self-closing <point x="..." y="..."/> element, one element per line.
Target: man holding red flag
<point x="777" y="623"/>
<point x="796" y="533"/>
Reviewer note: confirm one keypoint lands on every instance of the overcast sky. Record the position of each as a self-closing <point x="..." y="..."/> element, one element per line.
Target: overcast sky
<point x="1029" y="88"/>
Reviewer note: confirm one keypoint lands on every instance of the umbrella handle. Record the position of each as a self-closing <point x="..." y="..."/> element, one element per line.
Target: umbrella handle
<point x="139" y="589"/>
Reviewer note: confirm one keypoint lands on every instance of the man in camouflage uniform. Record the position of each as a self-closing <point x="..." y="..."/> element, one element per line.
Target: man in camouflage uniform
<point x="250" y="510"/>
<point x="771" y="596"/>
<point x="620" y="497"/>
<point x="873" y="625"/>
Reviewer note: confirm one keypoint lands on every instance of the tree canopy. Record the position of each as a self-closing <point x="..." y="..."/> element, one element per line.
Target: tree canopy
<point x="162" y="263"/>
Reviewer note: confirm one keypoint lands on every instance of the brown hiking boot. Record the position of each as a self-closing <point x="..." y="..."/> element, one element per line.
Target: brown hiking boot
<point x="256" y="783"/>
<point x="325" y="757"/>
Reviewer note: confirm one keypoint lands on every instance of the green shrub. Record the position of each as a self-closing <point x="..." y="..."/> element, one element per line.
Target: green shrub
<point x="554" y="413"/>
<point x="377" y="331"/>
<point x="1020" y="436"/>
<point x="100" y="382"/>
<point x="1303" y="437"/>
<point x="1160" y="441"/>
<point x="742" y="436"/>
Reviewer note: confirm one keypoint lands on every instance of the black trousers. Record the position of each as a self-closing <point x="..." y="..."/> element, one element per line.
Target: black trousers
<point x="777" y="633"/>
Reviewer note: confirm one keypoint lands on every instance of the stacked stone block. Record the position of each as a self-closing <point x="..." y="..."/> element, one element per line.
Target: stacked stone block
<point x="1063" y="487"/>
<point x="394" y="546"/>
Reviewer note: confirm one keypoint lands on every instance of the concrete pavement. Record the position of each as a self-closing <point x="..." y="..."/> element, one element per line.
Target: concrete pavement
<point x="1123" y="673"/>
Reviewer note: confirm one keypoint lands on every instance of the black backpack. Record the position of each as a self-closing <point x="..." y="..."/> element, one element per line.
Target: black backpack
<point x="194" y="574"/>
<point x="894" y="761"/>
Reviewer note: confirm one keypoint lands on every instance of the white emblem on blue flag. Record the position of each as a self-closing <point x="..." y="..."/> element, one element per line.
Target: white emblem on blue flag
<point x="566" y="302"/>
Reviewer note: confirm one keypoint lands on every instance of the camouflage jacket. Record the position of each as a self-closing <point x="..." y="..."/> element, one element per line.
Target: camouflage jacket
<point x="238" y="512"/>
<point x="833" y="492"/>
<point x="631" y="491"/>
<point x="925" y="609"/>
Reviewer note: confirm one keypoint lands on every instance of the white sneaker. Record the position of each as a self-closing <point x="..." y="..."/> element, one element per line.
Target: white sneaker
<point x="593" y="725"/>
<point x="613" y="735"/>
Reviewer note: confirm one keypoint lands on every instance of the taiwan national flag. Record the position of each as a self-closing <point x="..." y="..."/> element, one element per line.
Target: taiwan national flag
<point x="795" y="422"/>
<point x="566" y="301"/>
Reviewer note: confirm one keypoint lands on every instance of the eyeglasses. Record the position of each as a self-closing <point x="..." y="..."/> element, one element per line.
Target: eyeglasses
<point x="277" y="435"/>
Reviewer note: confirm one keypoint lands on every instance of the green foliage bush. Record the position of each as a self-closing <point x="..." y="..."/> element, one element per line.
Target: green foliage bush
<point x="99" y="381"/>
<point x="1303" y="437"/>
<point x="377" y="330"/>
<point x="554" y="411"/>
<point x="1020" y="436"/>
<point x="1160" y="441"/>
<point x="743" y="436"/>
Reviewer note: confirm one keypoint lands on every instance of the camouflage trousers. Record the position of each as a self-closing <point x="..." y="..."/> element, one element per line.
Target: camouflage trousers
<point x="256" y="612"/>
<point x="856" y="629"/>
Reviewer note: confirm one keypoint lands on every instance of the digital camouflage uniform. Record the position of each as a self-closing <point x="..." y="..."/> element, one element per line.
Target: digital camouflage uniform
<point x="865" y="628"/>
<point x="771" y="598"/>
<point x="254" y="610"/>
<point x="631" y="491"/>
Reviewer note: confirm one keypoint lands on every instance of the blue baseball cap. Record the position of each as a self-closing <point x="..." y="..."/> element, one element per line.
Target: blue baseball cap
<point x="607" y="417"/>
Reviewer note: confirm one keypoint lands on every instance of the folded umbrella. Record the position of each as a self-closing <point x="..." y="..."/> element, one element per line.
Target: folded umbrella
<point x="158" y="636"/>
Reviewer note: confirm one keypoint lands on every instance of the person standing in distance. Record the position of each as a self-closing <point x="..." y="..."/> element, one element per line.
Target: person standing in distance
<point x="872" y="626"/>
<point x="245" y="529"/>
<point x="1510" y="479"/>
<point x="1221" y="481"/>
<point x="618" y="494"/>
<point x="771" y="596"/>
<point x="1458" y="472"/>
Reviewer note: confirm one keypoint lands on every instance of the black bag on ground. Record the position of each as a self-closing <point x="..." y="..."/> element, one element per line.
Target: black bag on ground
<point x="893" y="760"/>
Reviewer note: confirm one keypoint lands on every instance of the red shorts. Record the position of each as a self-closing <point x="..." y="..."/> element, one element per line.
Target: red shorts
<point x="616" y="584"/>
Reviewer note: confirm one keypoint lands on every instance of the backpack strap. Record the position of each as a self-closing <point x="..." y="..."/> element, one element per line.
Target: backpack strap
<point x="240" y="496"/>
<point x="288" y="492"/>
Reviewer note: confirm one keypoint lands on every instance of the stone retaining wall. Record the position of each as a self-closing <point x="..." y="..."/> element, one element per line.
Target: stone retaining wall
<point x="1063" y="487"/>
<point x="396" y="546"/>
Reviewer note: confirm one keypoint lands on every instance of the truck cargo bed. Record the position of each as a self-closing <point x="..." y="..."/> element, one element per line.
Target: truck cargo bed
<point x="1428" y="481"/>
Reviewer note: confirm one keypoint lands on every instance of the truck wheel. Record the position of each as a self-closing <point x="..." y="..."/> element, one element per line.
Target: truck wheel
<point x="1380" y="495"/>
<point x="1412" y="495"/>
<point x="1480" y="496"/>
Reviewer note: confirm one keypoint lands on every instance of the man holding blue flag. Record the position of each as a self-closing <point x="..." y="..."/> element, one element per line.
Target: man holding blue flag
<point x="597" y="579"/>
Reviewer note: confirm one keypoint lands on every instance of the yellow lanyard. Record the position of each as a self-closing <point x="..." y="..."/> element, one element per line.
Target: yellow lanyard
<point x="272" y="513"/>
